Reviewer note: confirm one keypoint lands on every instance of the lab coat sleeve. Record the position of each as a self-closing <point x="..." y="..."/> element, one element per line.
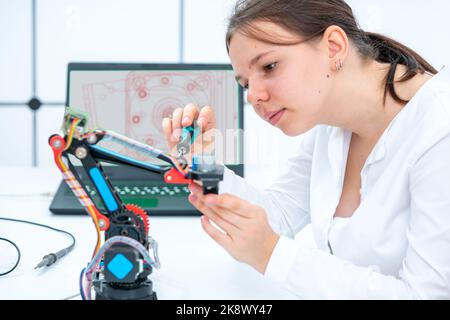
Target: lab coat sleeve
<point x="286" y="201"/>
<point x="425" y="273"/>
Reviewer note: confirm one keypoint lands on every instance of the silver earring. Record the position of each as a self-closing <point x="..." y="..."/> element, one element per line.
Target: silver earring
<point x="339" y="66"/>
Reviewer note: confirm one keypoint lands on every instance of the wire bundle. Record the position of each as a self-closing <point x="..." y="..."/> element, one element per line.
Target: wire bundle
<point x="75" y="186"/>
<point x="86" y="273"/>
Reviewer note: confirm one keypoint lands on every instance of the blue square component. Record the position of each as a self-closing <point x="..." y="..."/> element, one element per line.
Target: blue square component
<point x="120" y="266"/>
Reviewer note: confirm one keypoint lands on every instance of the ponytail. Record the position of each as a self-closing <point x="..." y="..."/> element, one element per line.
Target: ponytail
<point x="387" y="50"/>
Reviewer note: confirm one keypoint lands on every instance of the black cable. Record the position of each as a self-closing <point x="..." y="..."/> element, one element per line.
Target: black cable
<point x="81" y="284"/>
<point x="18" y="257"/>
<point x="50" y="258"/>
<point x="72" y="296"/>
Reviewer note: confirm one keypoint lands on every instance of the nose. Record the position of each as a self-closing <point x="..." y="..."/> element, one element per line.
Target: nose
<point x="257" y="93"/>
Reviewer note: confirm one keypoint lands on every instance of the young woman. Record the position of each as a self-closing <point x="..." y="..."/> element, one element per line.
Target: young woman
<point x="372" y="175"/>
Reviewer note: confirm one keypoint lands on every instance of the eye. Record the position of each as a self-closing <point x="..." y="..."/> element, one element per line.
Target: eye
<point x="244" y="85"/>
<point x="269" y="67"/>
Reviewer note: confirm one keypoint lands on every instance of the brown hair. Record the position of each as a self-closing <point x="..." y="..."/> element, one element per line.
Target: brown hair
<point x="310" y="19"/>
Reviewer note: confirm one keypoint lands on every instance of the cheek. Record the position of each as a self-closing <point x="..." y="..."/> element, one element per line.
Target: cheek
<point x="315" y="79"/>
<point x="306" y="94"/>
<point x="307" y="101"/>
<point x="307" y="86"/>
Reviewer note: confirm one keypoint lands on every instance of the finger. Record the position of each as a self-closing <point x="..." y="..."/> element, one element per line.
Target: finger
<point x="176" y="123"/>
<point x="200" y="205"/>
<point x="167" y="129"/>
<point x="206" y="118"/>
<point x="231" y="217"/>
<point x="195" y="183"/>
<point x="222" y="239"/>
<point x="195" y="188"/>
<point x="225" y="225"/>
<point x="206" y="141"/>
<point x="232" y="203"/>
<point x="190" y="113"/>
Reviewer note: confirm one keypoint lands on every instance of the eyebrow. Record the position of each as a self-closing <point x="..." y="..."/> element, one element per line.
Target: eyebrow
<point x="254" y="61"/>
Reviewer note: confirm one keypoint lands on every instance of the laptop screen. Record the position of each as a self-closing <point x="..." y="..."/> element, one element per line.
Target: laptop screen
<point x="132" y="99"/>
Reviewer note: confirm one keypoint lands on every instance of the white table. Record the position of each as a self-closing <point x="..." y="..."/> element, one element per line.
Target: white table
<point x="193" y="265"/>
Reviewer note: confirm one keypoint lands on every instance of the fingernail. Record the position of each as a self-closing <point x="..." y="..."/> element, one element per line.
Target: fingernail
<point x="176" y="135"/>
<point x="186" y="119"/>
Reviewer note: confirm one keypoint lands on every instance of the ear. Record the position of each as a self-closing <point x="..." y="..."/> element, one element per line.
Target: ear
<point x="337" y="44"/>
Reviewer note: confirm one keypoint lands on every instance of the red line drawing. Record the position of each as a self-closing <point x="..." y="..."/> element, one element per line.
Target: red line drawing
<point x="134" y="103"/>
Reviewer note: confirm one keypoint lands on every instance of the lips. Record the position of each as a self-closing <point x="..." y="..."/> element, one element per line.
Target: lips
<point x="275" y="116"/>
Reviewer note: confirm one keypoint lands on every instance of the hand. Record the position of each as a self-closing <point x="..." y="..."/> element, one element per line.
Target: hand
<point x="246" y="233"/>
<point x="182" y="118"/>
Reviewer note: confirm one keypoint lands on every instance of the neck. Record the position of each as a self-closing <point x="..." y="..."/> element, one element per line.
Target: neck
<point x="358" y="99"/>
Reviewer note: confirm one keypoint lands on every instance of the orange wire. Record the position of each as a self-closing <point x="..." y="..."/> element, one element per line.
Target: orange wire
<point x="71" y="131"/>
<point x="64" y="169"/>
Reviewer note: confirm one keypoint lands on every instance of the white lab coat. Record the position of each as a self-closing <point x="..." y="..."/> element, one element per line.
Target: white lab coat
<point x="397" y="243"/>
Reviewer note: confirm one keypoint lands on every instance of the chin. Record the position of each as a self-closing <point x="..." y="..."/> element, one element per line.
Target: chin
<point x="291" y="131"/>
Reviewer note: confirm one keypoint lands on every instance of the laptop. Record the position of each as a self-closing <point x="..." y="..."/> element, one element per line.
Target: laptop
<point x="132" y="99"/>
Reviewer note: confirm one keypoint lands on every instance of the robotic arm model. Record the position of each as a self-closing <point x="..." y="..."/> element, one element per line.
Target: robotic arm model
<point x="120" y="268"/>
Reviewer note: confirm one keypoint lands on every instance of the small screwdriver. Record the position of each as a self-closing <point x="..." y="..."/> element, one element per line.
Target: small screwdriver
<point x="188" y="136"/>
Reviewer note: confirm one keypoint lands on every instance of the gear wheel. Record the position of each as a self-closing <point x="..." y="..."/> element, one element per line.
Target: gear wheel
<point x="138" y="211"/>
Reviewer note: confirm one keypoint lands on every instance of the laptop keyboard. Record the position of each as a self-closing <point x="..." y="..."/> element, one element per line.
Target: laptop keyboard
<point x="148" y="196"/>
<point x="147" y="190"/>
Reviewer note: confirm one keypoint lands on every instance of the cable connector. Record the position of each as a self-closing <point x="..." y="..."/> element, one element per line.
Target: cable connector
<point x="51" y="258"/>
<point x="47" y="260"/>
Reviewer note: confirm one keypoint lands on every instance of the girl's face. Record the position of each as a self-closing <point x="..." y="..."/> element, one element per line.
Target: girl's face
<point x="288" y="86"/>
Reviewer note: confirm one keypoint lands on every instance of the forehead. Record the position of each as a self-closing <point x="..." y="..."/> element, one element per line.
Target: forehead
<point x="265" y="32"/>
<point x="243" y="47"/>
<point x="259" y="36"/>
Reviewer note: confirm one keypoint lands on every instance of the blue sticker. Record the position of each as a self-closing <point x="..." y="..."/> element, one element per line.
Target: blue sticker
<point x="120" y="266"/>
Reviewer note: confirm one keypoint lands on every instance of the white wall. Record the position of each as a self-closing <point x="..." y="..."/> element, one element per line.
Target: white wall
<point x="421" y="25"/>
<point x="149" y="31"/>
<point x="15" y="82"/>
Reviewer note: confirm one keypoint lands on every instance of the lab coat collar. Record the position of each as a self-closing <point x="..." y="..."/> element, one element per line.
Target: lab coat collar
<point x="379" y="150"/>
<point x="339" y="138"/>
<point x="338" y="145"/>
